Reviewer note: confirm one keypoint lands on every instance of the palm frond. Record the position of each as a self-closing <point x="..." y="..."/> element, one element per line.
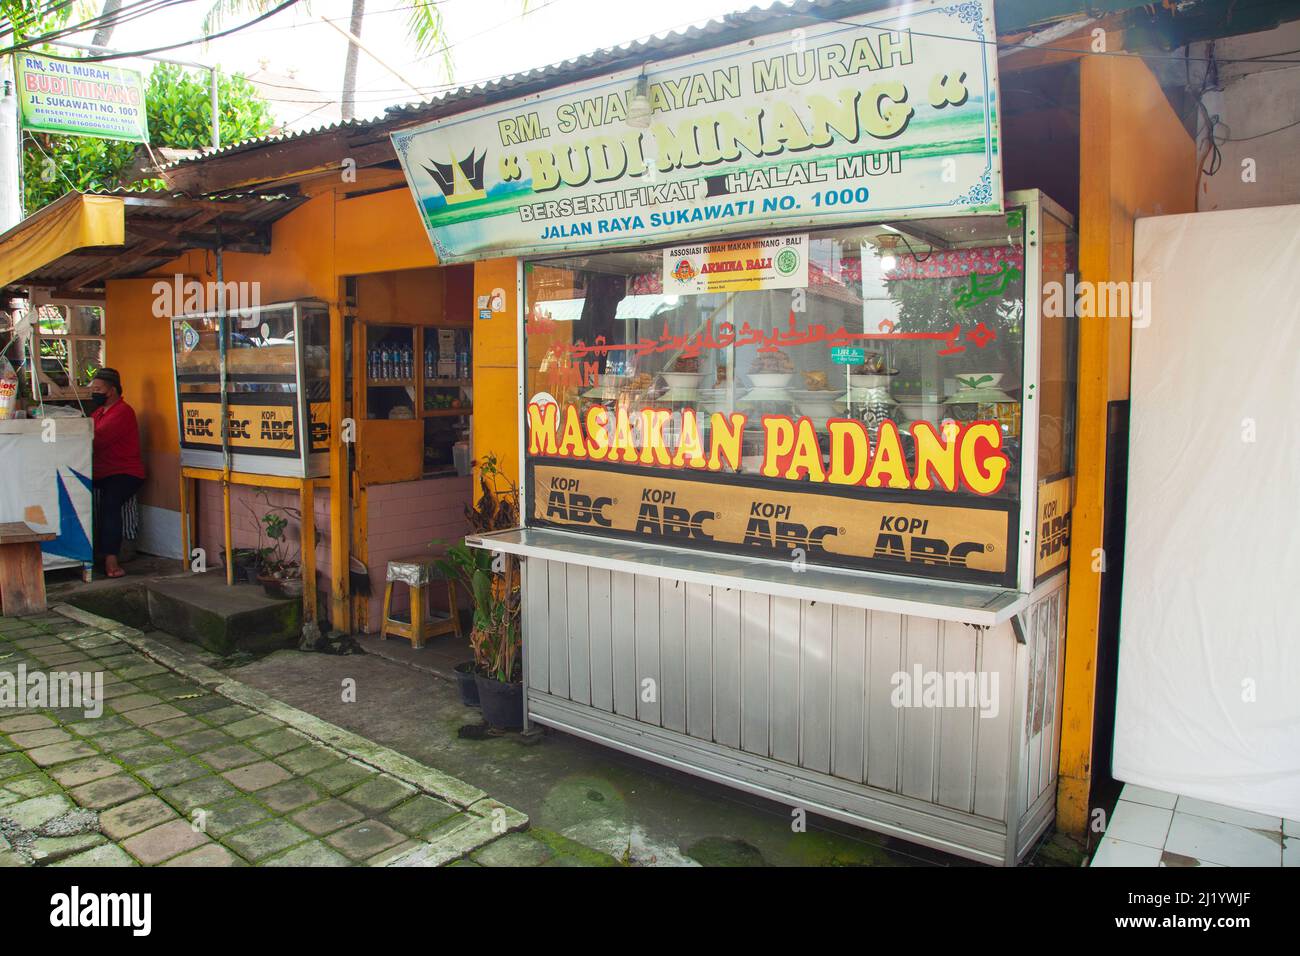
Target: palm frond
<point x="429" y="34"/>
<point x="223" y="11"/>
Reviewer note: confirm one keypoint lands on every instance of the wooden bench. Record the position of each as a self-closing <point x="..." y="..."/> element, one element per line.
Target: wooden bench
<point x="22" y="578"/>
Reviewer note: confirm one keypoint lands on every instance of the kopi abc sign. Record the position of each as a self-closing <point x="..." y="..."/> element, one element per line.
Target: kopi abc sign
<point x="888" y="115"/>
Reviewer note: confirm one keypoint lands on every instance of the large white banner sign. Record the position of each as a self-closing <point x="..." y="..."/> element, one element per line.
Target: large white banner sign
<point x="889" y="115"/>
<point x="1209" y="663"/>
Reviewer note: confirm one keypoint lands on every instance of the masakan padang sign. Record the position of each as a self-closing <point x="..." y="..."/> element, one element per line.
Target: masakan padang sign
<point x="888" y="115"/>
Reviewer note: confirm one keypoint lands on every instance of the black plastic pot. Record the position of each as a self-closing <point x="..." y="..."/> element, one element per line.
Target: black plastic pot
<point x="502" y="704"/>
<point x="245" y="561"/>
<point x="465" y="684"/>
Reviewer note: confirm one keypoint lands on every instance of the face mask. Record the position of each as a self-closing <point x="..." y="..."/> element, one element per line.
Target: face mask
<point x="98" y="399"/>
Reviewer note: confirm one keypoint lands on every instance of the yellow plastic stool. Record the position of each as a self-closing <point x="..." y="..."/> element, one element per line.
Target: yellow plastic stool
<point x="417" y="574"/>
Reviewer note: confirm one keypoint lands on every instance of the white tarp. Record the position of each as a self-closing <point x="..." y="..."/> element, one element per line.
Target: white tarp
<point x="45" y="481"/>
<point x="1209" y="662"/>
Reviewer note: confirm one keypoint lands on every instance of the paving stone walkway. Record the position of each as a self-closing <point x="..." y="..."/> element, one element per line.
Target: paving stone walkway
<point x="174" y="773"/>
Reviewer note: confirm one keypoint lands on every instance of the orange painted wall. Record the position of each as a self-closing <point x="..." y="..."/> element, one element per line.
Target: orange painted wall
<point x="138" y="345"/>
<point x="312" y="248"/>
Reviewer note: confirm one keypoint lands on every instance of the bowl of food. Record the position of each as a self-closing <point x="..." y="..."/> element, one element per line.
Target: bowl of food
<point x="915" y="409"/>
<point x="858" y="380"/>
<point x="817" y="405"/>
<point x="686" y="381"/>
<point x="771" y="369"/>
<point x="974" y="380"/>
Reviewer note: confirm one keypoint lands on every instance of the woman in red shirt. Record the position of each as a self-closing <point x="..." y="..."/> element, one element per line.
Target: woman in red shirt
<point x="118" y="468"/>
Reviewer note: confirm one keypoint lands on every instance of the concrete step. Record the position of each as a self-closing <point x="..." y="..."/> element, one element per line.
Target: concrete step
<point x="201" y="608"/>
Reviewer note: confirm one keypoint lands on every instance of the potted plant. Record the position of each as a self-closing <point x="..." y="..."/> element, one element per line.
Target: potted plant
<point x="493" y="584"/>
<point x="279" y="572"/>
<point x="245" y="563"/>
<point x="462" y="564"/>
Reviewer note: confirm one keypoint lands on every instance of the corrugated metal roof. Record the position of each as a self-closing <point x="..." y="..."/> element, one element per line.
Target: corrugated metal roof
<point x="730" y="28"/>
<point x="1013" y="17"/>
<point x="160" y="226"/>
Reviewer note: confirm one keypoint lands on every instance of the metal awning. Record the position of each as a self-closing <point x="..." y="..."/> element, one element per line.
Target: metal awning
<point x="78" y="242"/>
<point x="73" y="223"/>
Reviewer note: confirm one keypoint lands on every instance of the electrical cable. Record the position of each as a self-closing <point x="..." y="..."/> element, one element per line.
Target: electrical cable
<point x="1272" y="58"/>
<point x="1044" y="48"/>
<point x="8" y="26"/>
<point x="405" y="8"/>
<point x="122" y="15"/>
<point x="100" y="58"/>
<point x="1246" y="139"/>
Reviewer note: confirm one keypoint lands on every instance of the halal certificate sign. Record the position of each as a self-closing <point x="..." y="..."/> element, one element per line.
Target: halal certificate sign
<point x="743" y="265"/>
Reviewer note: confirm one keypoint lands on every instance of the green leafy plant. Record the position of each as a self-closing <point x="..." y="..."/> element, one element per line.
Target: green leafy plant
<point x="492" y="580"/>
<point x="280" y="558"/>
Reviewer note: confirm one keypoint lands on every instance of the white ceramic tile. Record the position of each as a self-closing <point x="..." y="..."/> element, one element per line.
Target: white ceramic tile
<point x="1226" y="814"/>
<point x="1114" y="852"/>
<point x="1152" y="798"/>
<point x="1139" y="823"/>
<point x="1221" y="842"/>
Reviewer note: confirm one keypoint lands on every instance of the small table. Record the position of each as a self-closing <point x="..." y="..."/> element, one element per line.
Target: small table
<point x="22" y="577"/>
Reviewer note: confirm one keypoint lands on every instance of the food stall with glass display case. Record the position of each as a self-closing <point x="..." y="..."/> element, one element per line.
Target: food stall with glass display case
<point x="276" y="373"/>
<point x="806" y="533"/>
<point x="795" y="423"/>
<point x="264" y="371"/>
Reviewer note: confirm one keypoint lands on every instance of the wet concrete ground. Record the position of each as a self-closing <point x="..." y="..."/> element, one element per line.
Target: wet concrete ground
<point x="611" y="802"/>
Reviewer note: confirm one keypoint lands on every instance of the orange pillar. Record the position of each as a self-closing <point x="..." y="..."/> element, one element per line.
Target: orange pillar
<point x="1136" y="160"/>
<point x="496" y="368"/>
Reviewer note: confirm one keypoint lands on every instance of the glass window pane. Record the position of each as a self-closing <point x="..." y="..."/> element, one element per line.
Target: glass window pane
<point x="1057" y="355"/>
<point x="930" y="320"/>
<point x="88" y="358"/>
<point x="905" y="340"/>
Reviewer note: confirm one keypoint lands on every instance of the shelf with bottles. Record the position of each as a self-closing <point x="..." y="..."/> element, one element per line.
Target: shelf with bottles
<point x="390" y="356"/>
<point x="446" y="357"/>
<point x="391" y="371"/>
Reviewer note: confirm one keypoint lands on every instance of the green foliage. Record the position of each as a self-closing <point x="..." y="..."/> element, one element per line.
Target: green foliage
<point x="492" y="581"/>
<point x="179" y="109"/>
<point x="30" y="18"/>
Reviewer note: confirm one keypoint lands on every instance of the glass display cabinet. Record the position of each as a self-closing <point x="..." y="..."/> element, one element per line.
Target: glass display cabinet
<point x="277" y="378"/>
<point x="901" y="413"/>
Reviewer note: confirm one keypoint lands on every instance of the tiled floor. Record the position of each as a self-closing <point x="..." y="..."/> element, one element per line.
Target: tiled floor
<point x="1154" y="828"/>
